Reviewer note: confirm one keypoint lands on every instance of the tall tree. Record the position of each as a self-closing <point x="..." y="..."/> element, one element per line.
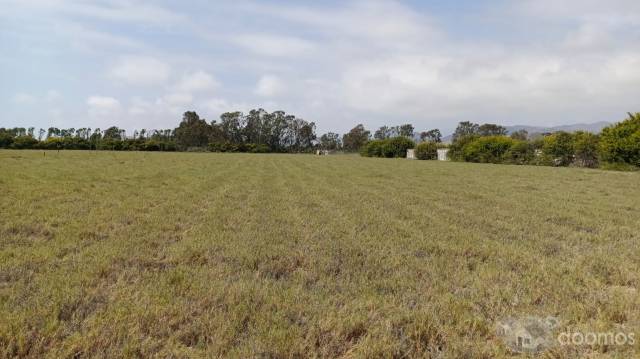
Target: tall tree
<point x="192" y="131"/>
<point x="231" y="125"/>
<point x="356" y="138"/>
<point x="53" y="132"/>
<point x="382" y="133"/>
<point x="330" y="141"/>
<point x="465" y="129"/>
<point x="431" y="136"/>
<point x="406" y="130"/>
<point x="490" y="129"/>
<point x="112" y="133"/>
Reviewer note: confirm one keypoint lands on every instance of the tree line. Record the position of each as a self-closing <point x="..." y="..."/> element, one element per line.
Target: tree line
<point x="616" y="147"/>
<point x="259" y="131"/>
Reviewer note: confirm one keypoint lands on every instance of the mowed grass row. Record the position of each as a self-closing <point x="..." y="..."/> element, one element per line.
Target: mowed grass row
<point x="235" y="255"/>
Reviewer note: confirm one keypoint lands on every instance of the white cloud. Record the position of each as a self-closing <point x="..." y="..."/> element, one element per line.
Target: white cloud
<point x="378" y="23"/>
<point x="611" y="11"/>
<point x="270" y="86"/>
<point x="103" y="106"/>
<point x="116" y="11"/>
<point x="141" y="71"/>
<point x="274" y="45"/>
<point x="336" y="63"/>
<point x="24" y="99"/>
<point x="52" y="96"/>
<point x="218" y="106"/>
<point x="196" y="82"/>
<point x="174" y="104"/>
<point x="176" y="99"/>
<point x="214" y="107"/>
<point x="140" y="107"/>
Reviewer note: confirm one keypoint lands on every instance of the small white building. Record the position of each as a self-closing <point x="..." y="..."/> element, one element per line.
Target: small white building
<point x="411" y="154"/>
<point x="443" y="154"/>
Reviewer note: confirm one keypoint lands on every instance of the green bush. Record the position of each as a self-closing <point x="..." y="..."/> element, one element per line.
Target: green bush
<point x="111" y="144"/>
<point x="456" y="150"/>
<point x="372" y="149"/>
<point x="400" y="145"/>
<point x="427" y="151"/>
<point x="620" y="143"/>
<point x="151" y="145"/>
<point x="585" y="147"/>
<point x="490" y="149"/>
<point x="24" y="142"/>
<point x="258" y="148"/>
<point x="223" y="147"/>
<point x="6" y="139"/>
<point x="390" y="148"/>
<point x="520" y="153"/>
<point x="242" y="147"/>
<point x="558" y="149"/>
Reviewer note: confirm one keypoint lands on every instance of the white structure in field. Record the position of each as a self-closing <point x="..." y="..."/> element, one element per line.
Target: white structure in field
<point x="443" y="154"/>
<point x="411" y="154"/>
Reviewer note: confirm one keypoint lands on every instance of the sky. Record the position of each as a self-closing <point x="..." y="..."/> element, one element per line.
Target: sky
<point x="141" y="64"/>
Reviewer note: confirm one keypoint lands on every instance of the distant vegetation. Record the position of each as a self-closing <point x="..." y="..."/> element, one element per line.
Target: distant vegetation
<point x="616" y="147"/>
<point x="395" y="147"/>
<point x="258" y="131"/>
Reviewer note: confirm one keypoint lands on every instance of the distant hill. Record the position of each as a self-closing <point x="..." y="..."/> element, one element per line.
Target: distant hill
<point x="589" y="127"/>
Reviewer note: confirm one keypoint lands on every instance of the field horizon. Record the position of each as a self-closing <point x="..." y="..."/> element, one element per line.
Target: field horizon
<point x="141" y="254"/>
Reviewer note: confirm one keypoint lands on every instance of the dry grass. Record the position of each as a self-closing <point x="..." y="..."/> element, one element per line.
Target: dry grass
<point x="284" y="256"/>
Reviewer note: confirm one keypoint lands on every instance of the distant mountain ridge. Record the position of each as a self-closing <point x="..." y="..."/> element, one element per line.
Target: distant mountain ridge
<point x="588" y="127"/>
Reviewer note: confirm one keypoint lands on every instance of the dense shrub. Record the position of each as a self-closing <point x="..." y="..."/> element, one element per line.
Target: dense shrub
<point x="51" y="143"/>
<point x="372" y="148"/>
<point x="231" y="147"/>
<point x="388" y="150"/>
<point x="390" y="147"/>
<point x="427" y="151"/>
<point x="491" y="149"/>
<point x="24" y="142"/>
<point x="557" y="149"/>
<point x="456" y="150"/>
<point x="398" y="146"/>
<point x="6" y="140"/>
<point x="151" y="145"/>
<point x="223" y="147"/>
<point x="520" y="153"/>
<point x="585" y="149"/>
<point x="257" y="148"/>
<point x="111" y="144"/>
<point x="620" y="143"/>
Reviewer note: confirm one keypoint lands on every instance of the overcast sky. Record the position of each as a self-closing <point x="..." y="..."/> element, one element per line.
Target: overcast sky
<point x="137" y="64"/>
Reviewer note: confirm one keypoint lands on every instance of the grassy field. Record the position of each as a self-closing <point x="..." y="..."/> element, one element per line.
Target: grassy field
<point x="281" y="256"/>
